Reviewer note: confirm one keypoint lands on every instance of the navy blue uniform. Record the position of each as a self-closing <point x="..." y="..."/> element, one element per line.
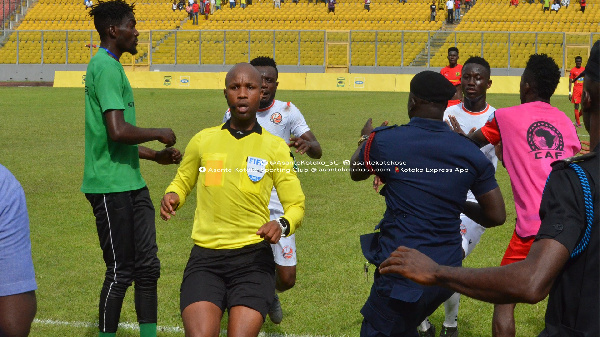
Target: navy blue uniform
<point x="428" y="169"/>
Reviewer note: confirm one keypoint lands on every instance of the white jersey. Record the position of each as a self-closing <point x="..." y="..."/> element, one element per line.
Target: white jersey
<point x="469" y="120"/>
<point x="283" y="120"/>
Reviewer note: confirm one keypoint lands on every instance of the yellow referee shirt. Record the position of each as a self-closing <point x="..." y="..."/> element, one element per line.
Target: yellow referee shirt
<point x="235" y="172"/>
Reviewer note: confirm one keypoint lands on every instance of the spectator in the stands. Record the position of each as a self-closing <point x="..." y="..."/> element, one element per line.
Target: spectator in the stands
<point x="331" y="6"/>
<point x="231" y="3"/>
<point x="467" y="5"/>
<point x="174" y="7"/>
<point x="457" y="10"/>
<point x="583" y="4"/>
<point x="514" y="3"/>
<point x="547" y="5"/>
<point x="88" y="3"/>
<point x="433" y="9"/>
<point x="217" y="4"/>
<point x="195" y="11"/>
<point x="243" y="4"/>
<point x="555" y="6"/>
<point x="368" y="5"/>
<point x="450" y="8"/>
<point x="565" y="3"/>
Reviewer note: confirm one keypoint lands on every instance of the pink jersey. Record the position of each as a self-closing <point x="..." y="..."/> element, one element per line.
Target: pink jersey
<point x="533" y="136"/>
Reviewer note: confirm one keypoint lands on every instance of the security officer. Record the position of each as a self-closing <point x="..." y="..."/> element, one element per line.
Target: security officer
<point x="428" y="171"/>
<point x="564" y="259"/>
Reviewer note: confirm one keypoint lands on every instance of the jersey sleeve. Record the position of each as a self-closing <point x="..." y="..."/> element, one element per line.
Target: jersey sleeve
<point x="109" y="89"/>
<point x="187" y="173"/>
<point x="288" y="187"/>
<point x="562" y="210"/>
<point x="485" y="180"/>
<point x="298" y="125"/>
<point x="491" y="131"/>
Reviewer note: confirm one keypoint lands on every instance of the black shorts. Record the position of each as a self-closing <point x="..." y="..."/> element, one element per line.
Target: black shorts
<point x="230" y="277"/>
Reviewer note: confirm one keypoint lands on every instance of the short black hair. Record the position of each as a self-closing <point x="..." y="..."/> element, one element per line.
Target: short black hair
<point x="109" y="13"/>
<point x="578" y="58"/>
<point x="452" y="49"/>
<point x="264" y="61"/>
<point x="543" y="74"/>
<point x="479" y="60"/>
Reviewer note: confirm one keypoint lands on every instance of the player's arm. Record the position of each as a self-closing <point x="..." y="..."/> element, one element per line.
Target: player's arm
<point x="169" y="155"/>
<point x="307" y="143"/>
<point x="489" y="210"/>
<point x="184" y="181"/>
<point x="526" y="281"/>
<point x="290" y="195"/>
<point x="477" y="135"/>
<point x="122" y="132"/>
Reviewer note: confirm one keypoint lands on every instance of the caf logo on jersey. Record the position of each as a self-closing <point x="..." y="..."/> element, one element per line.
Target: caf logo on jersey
<point x="276" y="118"/>
<point x="545" y="141"/>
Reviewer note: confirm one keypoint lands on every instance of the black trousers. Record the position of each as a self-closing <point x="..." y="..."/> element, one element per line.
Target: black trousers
<point x="127" y="233"/>
<point x="451" y="16"/>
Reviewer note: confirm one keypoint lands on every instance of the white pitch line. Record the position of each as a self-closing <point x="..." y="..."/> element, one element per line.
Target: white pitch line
<point x="135" y="327"/>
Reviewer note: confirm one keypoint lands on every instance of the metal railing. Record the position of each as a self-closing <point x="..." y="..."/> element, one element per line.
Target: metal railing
<point x="301" y="48"/>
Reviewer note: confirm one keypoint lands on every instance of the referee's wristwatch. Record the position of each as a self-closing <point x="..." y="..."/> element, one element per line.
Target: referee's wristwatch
<point x="284" y="225"/>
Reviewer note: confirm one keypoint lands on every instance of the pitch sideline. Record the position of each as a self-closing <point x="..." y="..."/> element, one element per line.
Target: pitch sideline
<point x="134" y="326"/>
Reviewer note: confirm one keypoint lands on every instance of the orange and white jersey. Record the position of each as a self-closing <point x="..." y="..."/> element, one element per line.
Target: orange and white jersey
<point x="282" y="119"/>
<point x="469" y="120"/>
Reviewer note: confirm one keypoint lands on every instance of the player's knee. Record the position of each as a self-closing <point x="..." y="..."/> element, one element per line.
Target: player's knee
<point x="148" y="273"/>
<point x="286" y="280"/>
<point x="17" y="322"/>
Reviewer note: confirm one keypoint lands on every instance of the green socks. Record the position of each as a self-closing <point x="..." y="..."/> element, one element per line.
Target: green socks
<point x="148" y="330"/>
<point x="107" y="334"/>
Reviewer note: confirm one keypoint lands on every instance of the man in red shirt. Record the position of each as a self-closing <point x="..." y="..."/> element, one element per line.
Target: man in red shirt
<point x="577" y="82"/>
<point x="453" y="73"/>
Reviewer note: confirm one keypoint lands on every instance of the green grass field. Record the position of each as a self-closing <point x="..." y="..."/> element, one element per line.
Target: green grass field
<point x="43" y="136"/>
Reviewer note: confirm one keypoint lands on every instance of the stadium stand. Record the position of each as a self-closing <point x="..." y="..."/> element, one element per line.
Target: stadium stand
<point x="391" y="34"/>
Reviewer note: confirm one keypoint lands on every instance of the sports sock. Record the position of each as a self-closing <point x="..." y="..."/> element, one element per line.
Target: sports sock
<point x="577" y="116"/>
<point x="107" y="334"/>
<point x="451" y="310"/>
<point x="147" y="329"/>
<point x="425" y="325"/>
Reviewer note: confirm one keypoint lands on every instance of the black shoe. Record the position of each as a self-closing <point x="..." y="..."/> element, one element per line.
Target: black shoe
<point x="449" y="332"/>
<point x="429" y="332"/>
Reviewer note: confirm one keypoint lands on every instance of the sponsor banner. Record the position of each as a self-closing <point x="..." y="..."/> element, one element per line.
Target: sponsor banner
<point x="287" y="81"/>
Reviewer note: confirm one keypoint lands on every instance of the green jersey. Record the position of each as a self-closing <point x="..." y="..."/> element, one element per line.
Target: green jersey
<point x="109" y="166"/>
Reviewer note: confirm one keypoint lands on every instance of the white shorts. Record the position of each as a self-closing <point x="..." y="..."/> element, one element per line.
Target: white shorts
<point x="471" y="233"/>
<point x="284" y="251"/>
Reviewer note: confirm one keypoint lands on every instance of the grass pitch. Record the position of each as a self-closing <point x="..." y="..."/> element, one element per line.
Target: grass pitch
<point x="43" y="136"/>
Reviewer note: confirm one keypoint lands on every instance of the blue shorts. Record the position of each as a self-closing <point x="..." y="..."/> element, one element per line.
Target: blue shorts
<point x="17" y="275"/>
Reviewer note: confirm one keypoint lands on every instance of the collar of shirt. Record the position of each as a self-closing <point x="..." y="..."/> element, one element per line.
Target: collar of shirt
<point x="429" y="124"/>
<point x="239" y="134"/>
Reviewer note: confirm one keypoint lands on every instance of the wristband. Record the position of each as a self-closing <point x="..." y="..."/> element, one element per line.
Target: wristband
<point x="362" y="139"/>
<point x="284" y="225"/>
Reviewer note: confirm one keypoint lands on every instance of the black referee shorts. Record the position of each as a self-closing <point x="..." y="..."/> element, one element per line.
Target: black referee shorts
<point x="230" y="277"/>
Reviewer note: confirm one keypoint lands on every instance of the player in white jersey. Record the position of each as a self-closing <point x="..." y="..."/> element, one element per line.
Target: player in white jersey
<point x="284" y="120"/>
<point x="471" y="114"/>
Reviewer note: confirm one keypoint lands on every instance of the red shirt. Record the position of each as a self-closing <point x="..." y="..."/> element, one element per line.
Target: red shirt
<point x="574" y="74"/>
<point x="452" y="74"/>
<point x="195" y="8"/>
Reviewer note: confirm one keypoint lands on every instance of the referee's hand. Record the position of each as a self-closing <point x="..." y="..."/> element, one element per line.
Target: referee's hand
<point x="271" y="232"/>
<point x="168" y="205"/>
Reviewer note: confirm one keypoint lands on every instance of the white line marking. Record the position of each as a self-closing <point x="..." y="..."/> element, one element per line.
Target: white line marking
<point x="135" y="327"/>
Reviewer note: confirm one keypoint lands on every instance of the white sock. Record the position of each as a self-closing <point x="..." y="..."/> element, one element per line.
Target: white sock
<point x="425" y="325"/>
<point x="451" y="310"/>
